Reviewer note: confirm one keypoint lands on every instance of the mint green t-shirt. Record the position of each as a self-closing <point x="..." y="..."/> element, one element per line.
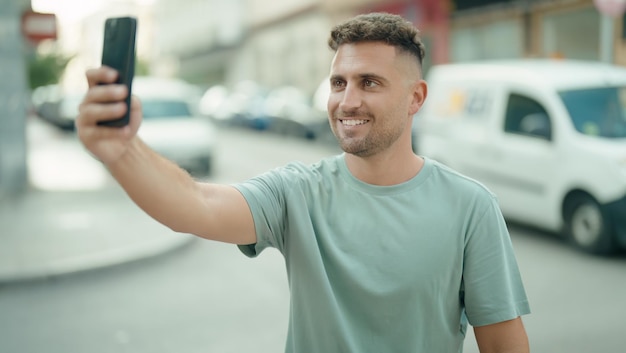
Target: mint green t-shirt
<point x="398" y="268"/>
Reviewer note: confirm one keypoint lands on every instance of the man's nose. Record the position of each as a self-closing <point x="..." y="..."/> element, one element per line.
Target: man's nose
<point x="351" y="98"/>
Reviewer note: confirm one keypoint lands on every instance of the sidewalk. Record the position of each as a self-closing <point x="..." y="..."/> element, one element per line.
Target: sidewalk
<point x="50" y="233"/>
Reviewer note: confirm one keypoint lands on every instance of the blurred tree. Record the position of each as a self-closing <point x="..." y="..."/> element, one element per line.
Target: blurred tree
<point x="46" y="69"/>
<point x="142" y="68"/>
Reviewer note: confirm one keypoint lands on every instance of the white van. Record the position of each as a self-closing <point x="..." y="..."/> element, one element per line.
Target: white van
<point x="548" y="137"/>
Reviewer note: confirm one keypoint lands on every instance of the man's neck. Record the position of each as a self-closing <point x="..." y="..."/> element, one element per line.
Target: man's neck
<point x="385" y="169"/>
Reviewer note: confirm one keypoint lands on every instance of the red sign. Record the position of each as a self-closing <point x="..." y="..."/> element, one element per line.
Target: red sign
<point x="39" y="26"/>
<point x="613" y="8"/>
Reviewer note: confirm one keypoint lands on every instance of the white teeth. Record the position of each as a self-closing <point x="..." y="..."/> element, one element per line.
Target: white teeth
<point x="353" y="122"/>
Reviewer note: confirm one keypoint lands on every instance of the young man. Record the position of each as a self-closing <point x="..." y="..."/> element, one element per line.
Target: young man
<point x="386" y="251"/>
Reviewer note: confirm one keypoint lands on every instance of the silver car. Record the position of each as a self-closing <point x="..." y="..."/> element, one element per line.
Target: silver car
<point x="172" y="125"/>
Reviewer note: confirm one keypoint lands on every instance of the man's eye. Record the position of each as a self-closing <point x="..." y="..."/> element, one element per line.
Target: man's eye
<point x="369" y="83"/>
<point x="337" y="83"/>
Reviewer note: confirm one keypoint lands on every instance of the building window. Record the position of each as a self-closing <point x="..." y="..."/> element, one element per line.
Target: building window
<point x="496" y="40"/>
<point x="572" y="34"/>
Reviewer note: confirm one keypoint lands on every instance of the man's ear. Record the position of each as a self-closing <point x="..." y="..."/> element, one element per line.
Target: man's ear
<point x="418" y="97"/>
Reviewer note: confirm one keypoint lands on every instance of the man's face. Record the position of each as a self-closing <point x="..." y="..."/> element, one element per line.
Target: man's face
<point x="372" y="98"/>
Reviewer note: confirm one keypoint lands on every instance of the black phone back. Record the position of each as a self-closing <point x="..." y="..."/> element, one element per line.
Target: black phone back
<point x="118" y="52"/>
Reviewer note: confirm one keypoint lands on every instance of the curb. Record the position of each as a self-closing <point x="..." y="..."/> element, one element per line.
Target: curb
<point x="104" y="259"/>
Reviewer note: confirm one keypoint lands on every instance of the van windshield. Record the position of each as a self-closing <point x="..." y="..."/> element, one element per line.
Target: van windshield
<point x="597" y="112"/>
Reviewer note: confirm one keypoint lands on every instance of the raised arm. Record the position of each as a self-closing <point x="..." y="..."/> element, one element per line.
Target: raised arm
<point x="503" y="337"/>
<point x="161" y="188"/>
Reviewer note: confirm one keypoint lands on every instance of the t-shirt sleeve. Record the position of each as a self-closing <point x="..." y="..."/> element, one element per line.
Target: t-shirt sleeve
<point x="492" y="285"/>
<point x="265" y="196"/>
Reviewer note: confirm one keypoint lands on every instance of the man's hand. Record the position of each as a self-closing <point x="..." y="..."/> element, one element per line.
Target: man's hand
<point x="106" y="102"/>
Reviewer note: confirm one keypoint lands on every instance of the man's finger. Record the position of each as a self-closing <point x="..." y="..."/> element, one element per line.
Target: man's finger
<point x="135" y="113"/>
<point x="100" y="75"/>
<point x="106" y="93"/>
<point x="90" y="114"/>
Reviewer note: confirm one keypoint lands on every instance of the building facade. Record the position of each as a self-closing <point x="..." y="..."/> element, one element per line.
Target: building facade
<point x="284" y="42"/>
<point x="531" y="28"/>
<point x="197" y="40"/>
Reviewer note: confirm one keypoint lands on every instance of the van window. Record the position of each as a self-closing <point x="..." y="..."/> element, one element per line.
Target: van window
<point x="598" y="111"/>
<point x="525" y="116"/>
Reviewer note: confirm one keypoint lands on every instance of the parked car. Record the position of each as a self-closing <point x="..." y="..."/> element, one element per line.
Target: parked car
<point x="172" y="124"/>
<point x="243" y="106"/>
<point x="291" y="112"/>
<point x="213" y="100"/>
<point x="55" y="106"/>
<point x="67" y="110"/>
<point x="548" y="137"/>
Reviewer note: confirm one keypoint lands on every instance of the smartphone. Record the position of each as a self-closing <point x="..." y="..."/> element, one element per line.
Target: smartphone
<point x="118" y="52"/>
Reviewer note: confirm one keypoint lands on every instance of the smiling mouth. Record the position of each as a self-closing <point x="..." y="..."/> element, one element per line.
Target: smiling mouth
<point x="352" y="122"/>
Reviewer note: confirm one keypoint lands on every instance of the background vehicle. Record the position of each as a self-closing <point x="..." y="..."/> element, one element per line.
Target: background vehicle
<point x="286" y="110"/>
<point x="172" y="124"/>
<point x="291" y="112"/>
<point x="243" y="106"/>
<point x="547" y="137"/>
<point x="55" y="106"/>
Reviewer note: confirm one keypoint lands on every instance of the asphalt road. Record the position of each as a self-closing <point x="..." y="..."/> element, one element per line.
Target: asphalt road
<point x="207" y="297"/>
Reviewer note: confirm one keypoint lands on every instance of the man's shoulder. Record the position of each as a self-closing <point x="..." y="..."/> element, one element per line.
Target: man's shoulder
<point x="299" y="175"/>
<point x="458" y="182"/>
<point x="326" y="167"/>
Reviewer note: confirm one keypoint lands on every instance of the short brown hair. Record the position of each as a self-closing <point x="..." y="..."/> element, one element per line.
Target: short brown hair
<point x="379" y="27"/>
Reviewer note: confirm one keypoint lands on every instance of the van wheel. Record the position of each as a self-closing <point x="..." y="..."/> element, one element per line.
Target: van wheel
<point x="587" y="225"/>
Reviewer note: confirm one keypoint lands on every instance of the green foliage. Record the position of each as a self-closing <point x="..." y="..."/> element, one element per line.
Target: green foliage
<point x="142" y="68"/>
<point x="46" y="69"/>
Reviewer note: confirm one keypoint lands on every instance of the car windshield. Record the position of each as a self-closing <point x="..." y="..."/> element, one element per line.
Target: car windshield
<point x="163" y="108"/>
<point x="598" y="112"/>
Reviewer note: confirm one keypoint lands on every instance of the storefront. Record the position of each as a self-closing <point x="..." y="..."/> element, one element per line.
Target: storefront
<point x="532" y="28"/>
<point x="496" y="34"/>
<point x="571" y="32"/>
<point x="470" y="30"/>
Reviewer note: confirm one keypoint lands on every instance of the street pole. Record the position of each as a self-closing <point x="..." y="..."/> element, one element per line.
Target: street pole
<point x="13" y="98"/>
<point x="609" y="10"/>
<point x="607" y="26"/>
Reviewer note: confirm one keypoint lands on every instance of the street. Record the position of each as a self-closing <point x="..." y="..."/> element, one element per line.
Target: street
<point x="208" y="297"/>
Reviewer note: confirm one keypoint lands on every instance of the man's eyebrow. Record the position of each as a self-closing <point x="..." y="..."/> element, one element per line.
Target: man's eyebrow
<point x="336" y="77"/>
<point x="371" y="76"/>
